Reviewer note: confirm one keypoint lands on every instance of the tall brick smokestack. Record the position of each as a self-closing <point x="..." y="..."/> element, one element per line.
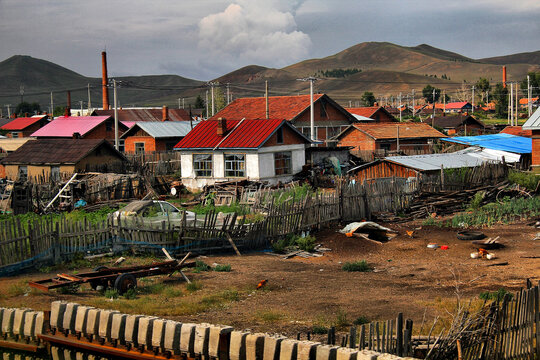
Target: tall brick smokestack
<point x="67" y="112"/>
<point x="504" y="76"/>
<point x="165" y="113"/>
<point x="104" y="80"/>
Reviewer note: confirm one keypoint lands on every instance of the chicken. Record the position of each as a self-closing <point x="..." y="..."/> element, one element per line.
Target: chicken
<point x="262" y="284"/>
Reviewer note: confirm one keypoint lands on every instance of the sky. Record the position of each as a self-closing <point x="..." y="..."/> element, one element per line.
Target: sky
<point x="205" y="39"/>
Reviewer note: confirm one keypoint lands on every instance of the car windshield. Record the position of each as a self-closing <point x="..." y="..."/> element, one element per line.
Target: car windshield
<point x="168" y="208"/>
<point x="151" y="210"/>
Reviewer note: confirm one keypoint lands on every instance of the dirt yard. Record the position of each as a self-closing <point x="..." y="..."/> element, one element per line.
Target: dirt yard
<point x="408" y="277"/>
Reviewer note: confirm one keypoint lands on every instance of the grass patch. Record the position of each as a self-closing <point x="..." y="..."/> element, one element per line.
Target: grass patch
<point x="495" y="295"/>
<point x="342" y="319"/>
<point x="18" y="289"/>
<point x="130" y="294"/>
<point x="152" y="289"/>
<point x="361" y="266"/>
<point x="525" y="179"/>
<point x="193" y="286"/>
<point x="223" y="268"/>
<point x="201" y="266"/>
<point x="269" y="316"/>
<point x="111" y="294"/>
<point x="319" y="330"/>
<point x="294" y="242"/>
<point x="172" y="292"/>
<point x="361" y="320"/>
<point x="306" y="243"/>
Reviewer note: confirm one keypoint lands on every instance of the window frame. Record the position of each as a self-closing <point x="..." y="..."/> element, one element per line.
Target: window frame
<point x="235" y="171"/>
<point x="197" y="169"/>
<point x="143" y="147"/>
<point x="22" y="170"/>
<point x="286" y="167"/>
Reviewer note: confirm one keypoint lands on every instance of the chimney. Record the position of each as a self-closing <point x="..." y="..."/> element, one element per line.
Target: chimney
<point x="66" y="112"/>
<point x="375" y="104"/>
<point x="104" y="80"/>
<point x="25" y="114"/>
<point x="504" y="76"/>
<point x="221" y="127"/>
<point x="76" y="135"/>
<point x="165" y="113"/>
<point x="68" y="107"/>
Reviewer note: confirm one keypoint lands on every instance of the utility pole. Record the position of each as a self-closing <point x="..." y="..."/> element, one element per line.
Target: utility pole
<point x="433" y="108"/>
<point x="8" y="111"/>
<point x="212" y="84"/>
<point x="89" y="100"/>
<point x="511" y="104"/>
<point x="472" y="110"/>
<point x="529" y="107"/>
<point x="52" y="107"/>
<point x="183" y="103"/>
<point x="397" y="137"/>
<point x="444" y="101"/>
<point x="413" y="102"/>
<point x="228" y="97"/>
<point x="350" y="103"/>
<point x="179" y="103"/>
<point x="311" y="110"/>
<point x="400" y="119"/>
<point x="207" y="104"/>
<point x="116" y="142"/>
<point x="81" y="102"/>
<point x="516" y="104"/>
<point x="266" y="99"/>
<point x="21" y="91"/>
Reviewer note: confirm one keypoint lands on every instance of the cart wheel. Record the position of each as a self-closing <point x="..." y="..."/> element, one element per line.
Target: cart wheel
<point x="95" y="283"/>
<point x="125" y="282"/>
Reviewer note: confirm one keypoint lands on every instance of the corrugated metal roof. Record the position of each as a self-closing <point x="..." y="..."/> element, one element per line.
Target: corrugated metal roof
<point x="137" y="115"/>
<point x="163" y="129"/>
<point x="389" y="130"/>
<point x="492" y="155"/>
<point x="504" y="142"/>
<point x="22" y="122"/>
<point x="241" y="134"/>
<point x="457" y="105"/>
<point x="435" y="161"/>
<point x="66" y="126"/>
<point x="534" y="121"/>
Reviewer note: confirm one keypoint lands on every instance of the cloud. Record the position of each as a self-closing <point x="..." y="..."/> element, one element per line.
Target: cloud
<point x="254" y="31"/>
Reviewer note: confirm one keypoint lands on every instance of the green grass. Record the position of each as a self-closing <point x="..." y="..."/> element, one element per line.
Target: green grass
<point x="361" y="320"/>
<point x="361" y="266"/>
<point x="525" y="179"/>
<point x="201" y="266"/>
<point x="193" y="286"/>
<point x="111" y="294"/>
<point x="496" y="295"/>
<point x="319" y="329"/>
<point x="269" y="316"/>
<point x="222" y="268"/>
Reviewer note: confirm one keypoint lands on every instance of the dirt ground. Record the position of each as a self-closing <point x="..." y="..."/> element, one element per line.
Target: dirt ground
<point x="408" y="277"/>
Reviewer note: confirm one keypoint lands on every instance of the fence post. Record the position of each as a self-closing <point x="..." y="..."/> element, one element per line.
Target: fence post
<point x="56" y="244"/>
<point x="399" y="335"/>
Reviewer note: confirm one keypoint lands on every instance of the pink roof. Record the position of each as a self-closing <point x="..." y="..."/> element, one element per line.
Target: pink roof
<point x="457" y="105"/>
<point x="22" y="123"/>
<point x="129" y="124"/>
<point x="67" y="126"/>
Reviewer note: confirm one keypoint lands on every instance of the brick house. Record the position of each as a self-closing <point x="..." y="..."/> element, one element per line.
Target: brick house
<point x="155" y="136"/>
<point x="376" y="113"/>
<point x="24" y="126"/>
<point x="384" y="136"/>
<point x="459" y="123"/>
<point x="533" y="124"/>
<point x="256" y="149"/>
<point x="459" y="106"/>
<point x="84" y="127"/>
<point x="132" y="115"/>
<point x="330" y="118"/>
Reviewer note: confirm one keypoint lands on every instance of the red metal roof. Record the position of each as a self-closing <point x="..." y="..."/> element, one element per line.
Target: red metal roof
<point x="67" y="126"/>
<point x="406" y="130"/>
<point x="280" y="107"/>
<point x="22" y="123"/>
<point x="241" y="134"/>
<point x="516" y="130"/>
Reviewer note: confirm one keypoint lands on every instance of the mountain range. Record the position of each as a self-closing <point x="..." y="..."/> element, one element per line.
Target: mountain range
<point x="384" y="68"/>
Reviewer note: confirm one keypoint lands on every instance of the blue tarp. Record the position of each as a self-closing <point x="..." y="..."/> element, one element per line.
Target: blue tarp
<point x="504" y="142"/>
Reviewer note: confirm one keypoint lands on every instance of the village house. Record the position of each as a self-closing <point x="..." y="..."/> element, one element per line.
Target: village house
<point x="52" y="157"/>
<point x="459" y="107"/>
<point x="370" y="114"/>
<point x="255" y="149"/>
<point x="329" y="117"/>
<point x="24" y="126"/>
<point x="155" y="136"/>
<point x="524" y="102"/>
<point x="516" y="130"/>
<point x="459" y="123"/>
<point x="533" y="124"/>
<point x="131" y="116"/>
<point x="83" y="127"/>
<point x="389" y="136"/>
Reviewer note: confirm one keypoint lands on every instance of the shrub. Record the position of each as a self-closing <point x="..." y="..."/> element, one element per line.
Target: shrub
<point x="111" y="294"/>
<point x="342" y="319"/>
<point x="361" y="320"/>
<point x="477" y="199"/>
<point x="525" y="179"/>
<point x="172" y="292"/>
<point x="223" y="268"/>
<point x="361" y="266"/>
<point x="306" y="243"/>
<point x="130" y="294"/>
<point x="496" y="295"/>
<point x="201" y="266"/>
<point x="319" y="329"/>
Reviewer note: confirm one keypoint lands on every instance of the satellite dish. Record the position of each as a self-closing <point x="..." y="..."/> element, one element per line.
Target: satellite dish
<point x="173" y="191"/>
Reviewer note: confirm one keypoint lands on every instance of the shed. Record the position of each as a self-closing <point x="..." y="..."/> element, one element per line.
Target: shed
<point x="459" y="123"/>
<point x="50" y="157"/>
<point x="24" y="126"/>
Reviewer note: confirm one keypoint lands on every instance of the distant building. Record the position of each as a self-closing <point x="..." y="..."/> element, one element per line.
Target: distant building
<point x="330" y="118"/>
<point x="155" y="136"/>
<point x="369" y="114"/>
<point x="130" y="116"/>
<point x="24" y="126"/>
<point x="384" y="136"/>
<point x="255" y="149"/>
<point x="459" y="107"/>
<point x="459" y="123"/>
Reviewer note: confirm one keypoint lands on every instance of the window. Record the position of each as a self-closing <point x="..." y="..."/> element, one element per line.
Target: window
<point x="168" y="208"/>
<point x="121" y="146"/>
<point x="108" y="125"/>
<point x="235" y="165"/>
<point x="279" y="135"/>
<point x="283" y="163"/>
<point x="55" y="172"/>
<point x="16" y="134"/>
<point x="385" y="147"/>
<point x="306" y="131"/>
<point x="332" y="131"/>
<point x="202" y="164"/>
<point x="139" y="148"/>
<point x="23" y="173"/>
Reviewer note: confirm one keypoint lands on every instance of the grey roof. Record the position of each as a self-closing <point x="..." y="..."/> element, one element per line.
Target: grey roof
<point x="534" y="121"/>
<point x="164" y="129"/>
<point x="435" y="161"/>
